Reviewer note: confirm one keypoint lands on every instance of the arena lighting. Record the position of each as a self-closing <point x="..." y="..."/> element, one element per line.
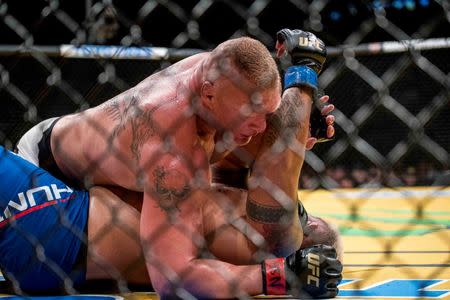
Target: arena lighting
<point x="410" y="5"/>
<point x="400" y="4"/>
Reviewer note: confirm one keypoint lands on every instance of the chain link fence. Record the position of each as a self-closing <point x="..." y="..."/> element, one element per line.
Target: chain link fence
<point x="392" y="98"/>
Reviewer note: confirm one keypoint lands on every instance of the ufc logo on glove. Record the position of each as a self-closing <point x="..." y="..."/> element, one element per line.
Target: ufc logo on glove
<point x="310" y="41"/>
<point x="313" y="265"/>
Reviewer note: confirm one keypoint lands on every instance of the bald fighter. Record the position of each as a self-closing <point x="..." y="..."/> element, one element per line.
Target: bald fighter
<point x="159" y="138"/>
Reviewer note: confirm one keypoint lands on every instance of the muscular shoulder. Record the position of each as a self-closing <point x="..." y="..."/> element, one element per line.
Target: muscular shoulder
<point x="191" y="60"/>
<point x="175" y="71"/>
<point x="173" y="179"/>
<point x="179" y="148"/>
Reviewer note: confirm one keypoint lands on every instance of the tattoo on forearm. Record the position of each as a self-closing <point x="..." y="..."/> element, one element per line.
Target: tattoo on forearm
<point x="171" y="187"/>
<point x="265" y="214"/>
<point x="285" y="122"/>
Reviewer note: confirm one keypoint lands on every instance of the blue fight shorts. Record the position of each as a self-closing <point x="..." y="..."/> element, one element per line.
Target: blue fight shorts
<point x="42" y="227"/>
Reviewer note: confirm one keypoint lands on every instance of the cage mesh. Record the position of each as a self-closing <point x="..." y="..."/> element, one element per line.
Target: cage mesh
<point x="391" y="111"/>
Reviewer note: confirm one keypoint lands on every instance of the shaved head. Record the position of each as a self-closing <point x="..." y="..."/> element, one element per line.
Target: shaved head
<point x="319" y="231"/>
<point x="250" y="58"/>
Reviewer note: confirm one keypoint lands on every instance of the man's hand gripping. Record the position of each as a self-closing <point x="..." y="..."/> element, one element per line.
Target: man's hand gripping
<point x="313" y="272"/>
<point x="307" y="54"/>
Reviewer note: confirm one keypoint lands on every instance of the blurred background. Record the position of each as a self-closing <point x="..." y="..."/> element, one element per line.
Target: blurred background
<point x="391" y="108"/>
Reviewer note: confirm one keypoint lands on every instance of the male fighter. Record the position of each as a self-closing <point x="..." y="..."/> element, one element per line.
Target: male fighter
<point x="171" y="168"/>
<point x="47" y="229"/>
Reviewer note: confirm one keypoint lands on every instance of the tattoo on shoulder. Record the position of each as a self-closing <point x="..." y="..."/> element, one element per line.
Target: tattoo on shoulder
<point x="284" y="123"/>
<point x="171" y="188"/>
<point x="140" y="120"/>
<point x="264" y="213"/>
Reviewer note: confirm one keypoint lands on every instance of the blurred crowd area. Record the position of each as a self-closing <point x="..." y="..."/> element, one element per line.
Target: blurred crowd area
<point x="421" y="174"/>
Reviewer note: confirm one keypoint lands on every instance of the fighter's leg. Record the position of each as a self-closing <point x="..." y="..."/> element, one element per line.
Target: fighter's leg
<point x="113" y="235"/>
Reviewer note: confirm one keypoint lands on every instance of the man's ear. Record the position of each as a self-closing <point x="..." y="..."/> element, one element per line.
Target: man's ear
<point x="207" y="93"/>
<point x="312" y="224"/>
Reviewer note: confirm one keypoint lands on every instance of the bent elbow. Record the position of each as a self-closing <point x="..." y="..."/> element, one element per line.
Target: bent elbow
<point x="286" y="242"/>
<point x="181" y="288"/>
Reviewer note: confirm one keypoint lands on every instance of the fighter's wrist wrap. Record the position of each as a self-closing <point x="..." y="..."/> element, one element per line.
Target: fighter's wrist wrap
<point x="274" y="276"/>
<point x="300" y="76"/>
<point x="302" y="214"/>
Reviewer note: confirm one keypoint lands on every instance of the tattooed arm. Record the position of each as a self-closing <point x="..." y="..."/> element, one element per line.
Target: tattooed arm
<point x="273" y="183"/>
<point x="275" y="159"/>
<point x="172" y="237"/>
